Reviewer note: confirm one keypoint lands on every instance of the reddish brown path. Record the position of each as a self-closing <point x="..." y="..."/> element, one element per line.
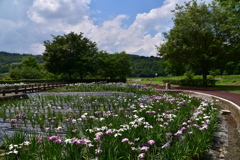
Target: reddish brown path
<point x="233" y="97"/>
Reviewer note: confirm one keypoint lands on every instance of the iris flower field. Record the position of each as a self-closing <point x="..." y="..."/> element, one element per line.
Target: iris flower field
<point x="112" y="121"/>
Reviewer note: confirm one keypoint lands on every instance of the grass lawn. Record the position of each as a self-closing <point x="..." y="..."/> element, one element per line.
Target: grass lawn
<point x="229" y="83"/>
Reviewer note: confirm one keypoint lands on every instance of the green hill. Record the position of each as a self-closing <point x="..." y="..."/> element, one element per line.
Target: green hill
<point x="146" y="66"/>
<point x="12" y="60"/>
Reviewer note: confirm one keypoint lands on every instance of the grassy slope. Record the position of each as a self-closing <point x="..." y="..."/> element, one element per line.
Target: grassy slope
<point x="230" y="83"/>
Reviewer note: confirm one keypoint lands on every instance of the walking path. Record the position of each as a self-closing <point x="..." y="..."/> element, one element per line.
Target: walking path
<point x="233" y="97"/>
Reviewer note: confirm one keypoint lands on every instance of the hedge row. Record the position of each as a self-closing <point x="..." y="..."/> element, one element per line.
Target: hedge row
<point x="10" y="81"/>
<point x="191" y="82"/>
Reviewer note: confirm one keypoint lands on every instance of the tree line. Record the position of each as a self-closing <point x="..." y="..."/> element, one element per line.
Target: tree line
<point x="26" y="66"/>
<point x="73" y="56"/>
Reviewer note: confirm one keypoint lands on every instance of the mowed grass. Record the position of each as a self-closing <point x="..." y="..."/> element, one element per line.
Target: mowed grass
<point x="228" y="83"/>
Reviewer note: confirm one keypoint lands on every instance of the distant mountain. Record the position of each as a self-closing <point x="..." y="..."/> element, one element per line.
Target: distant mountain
<point x="12" y="60"/>
<point x="146" y="66"/>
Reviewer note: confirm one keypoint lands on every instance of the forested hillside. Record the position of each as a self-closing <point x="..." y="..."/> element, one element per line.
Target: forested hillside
<point x="141" y="66"/>
<point x="145" y="66"/>
<point x="12" y="60"/>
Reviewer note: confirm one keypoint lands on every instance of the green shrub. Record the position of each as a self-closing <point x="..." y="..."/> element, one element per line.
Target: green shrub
<point x="11" y="81"/>
<point x="191" y="82"/>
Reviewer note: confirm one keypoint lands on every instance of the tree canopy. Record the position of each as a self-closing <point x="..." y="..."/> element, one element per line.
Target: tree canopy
<point x="30" y="62"/>
<point x="29" y="69"/>
<point x="102" y="65"/>
<point x="74" y="54"/>
<point x="70" y="53"/>
<point x="199" y="39"/>
<point x="146" y="66"/>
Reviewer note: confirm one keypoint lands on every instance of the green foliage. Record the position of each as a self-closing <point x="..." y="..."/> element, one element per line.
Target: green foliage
<point x="84" y="81"/>
<point x="214" y="73"/>
<point x="189" y="74"/>
<point x="77" y="56"/>
<point x="30" y="73"/>
<point x="10" y="61"/>
<point x="146" y="66"/>
<point x="191" y="82"/>
<point x="105" y="65"/>
<point x="15" y="73"/>
<point x="199" y="39"/>
<point x="174" y="69"/>
<point x="232" y="68"/>
<point x="29" y="70"/>
<point x="70" y="53"/>
<point x="30" y="62"/>
<point x="113" y="66"/>
<point x="232" y="8"/>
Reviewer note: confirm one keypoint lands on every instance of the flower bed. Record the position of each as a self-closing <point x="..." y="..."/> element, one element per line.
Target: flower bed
<point x="141" y="125"/>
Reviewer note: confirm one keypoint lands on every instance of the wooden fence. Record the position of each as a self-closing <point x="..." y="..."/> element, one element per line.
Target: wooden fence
<point x="42" y="87"/>
<point x="29" y="88"/>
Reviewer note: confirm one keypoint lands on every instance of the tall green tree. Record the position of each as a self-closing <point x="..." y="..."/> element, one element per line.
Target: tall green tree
<point x="199" y="39"/>
<point x="69" y="54"/>
<point x="232" y="9"/>
<point x="113" y="66"/>
<point x="29" y="69"/>
<point x="122" y="64"/>
<point x="31" y="62"/>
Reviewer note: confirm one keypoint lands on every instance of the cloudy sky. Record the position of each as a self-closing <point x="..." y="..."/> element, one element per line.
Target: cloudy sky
<point x="134" y="26"/>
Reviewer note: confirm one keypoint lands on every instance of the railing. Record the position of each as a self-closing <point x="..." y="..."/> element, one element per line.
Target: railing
<point x="29" y="88"/>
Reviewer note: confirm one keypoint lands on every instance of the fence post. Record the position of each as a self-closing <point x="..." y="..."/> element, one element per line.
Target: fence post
<point x="168" y="86"/>
<point x="3" y="92"/>
<point x="25" y="89"/>
<point x="39" y="88"/>
<point x="16" y="89"/>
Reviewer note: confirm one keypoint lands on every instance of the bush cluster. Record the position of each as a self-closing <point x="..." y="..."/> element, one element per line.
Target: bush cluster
<point x="12" y="81"/>
<point x="191" y="82"/>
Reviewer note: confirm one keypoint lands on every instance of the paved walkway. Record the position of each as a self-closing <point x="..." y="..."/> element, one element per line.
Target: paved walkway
<point x="233" y="97"/>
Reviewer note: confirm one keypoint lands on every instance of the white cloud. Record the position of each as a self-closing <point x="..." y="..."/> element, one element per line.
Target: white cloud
<point x="26" y="24"/>
<point x="56" y="11"/>
<point x="35" y="47"/>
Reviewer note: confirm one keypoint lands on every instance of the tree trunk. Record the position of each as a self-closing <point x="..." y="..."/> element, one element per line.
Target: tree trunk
<point x="81" y="76"/>
<point x="70" y="76"/>
<point x="204" y="76"/>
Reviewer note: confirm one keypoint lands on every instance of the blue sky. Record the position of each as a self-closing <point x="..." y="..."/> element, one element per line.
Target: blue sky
<point x="108" y="9"/>
<point x="134" y="26"/>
